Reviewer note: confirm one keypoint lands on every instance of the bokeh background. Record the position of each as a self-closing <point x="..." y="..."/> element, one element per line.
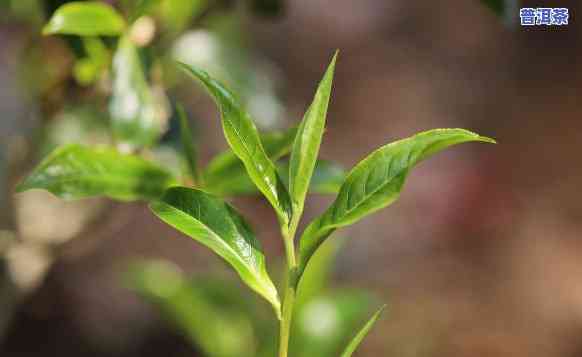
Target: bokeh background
<point x="480" y="257"/>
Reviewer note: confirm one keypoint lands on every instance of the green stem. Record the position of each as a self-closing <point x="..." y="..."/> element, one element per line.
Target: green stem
<point x="290" y="289"/>
<point x="286" y="316"/>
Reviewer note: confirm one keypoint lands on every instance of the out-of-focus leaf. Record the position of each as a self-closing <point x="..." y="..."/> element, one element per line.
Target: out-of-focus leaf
<point x="323" y="325"/>
<point x="355" y="342"/>
<point x="211" y="313"/>
<point x="137" y="117"/>
<point x="177" y="14"/>
<point x="234" y="183"/>
<point x="327" y="179"/>
<point x="316" y="278"/>
<point x="91" y="18"/>
<point x="214" y="223"/>
<point x="169" y="157"/>
<point x="376" y="182"/>
<point x="276" y="144"/>
<point x="82" y="124"/>
<point x="307" y="142"/>
<point x="327" y="176"/>
<point x="143" y="7"/>
<point x="243" y="138"/>
<point x="188" y="147"/>
<point x="87" y="69"/>
<point x="74" y="171"/>
<point x="226" y="174"/>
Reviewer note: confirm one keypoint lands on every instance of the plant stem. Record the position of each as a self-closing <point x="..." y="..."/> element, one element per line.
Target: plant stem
<point x="286" y="316"/>
<point x="290" y="287"/>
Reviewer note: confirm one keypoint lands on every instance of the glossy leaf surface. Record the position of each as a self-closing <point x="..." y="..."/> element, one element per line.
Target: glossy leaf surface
<point x="226" y="174"/>
<point x="327" y="176"/>
<point x="355" y="342"/>
<point x="74" y="171"/>
<point x="327" y="179"/>
<point x="376" y="182"/>
<point x="243" y="138"/>
<point x="308" y="141"/>
<point x="215" y="224"/>
<point x="81" y="18"/>
<point x="135" y="115"/>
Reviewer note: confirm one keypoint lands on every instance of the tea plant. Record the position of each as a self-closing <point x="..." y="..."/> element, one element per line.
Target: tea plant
<point x="194" y="204"/>
<point x="372" y="184"/>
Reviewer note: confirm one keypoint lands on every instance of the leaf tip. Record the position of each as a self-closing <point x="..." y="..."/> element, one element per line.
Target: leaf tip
<point x="47" y="30"/>
<point x="192" y="70"/>
<point x="182" y="65"/>
<point x="487" y="139"/>
<point x="334" y="60"/>
<point x="195" y="72"/>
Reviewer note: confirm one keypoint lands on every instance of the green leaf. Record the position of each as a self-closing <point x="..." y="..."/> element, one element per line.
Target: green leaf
<point x="135" y="112"/>
<point x="85" y="19"/>
<point x="143" y="7"/>
<point x="226" y="175"/>
<point x="324" y="323"/>
<point x="215" y="224"/>
<point x="75" y="171"/>
<point x="308" y="141"/>
<point x="243" y="138"/>
<point x="316" y="278"/>
<point x="376" y="182"/>
<point x="188" y="147"/>
<point x="327" y="179"/>
<point x="88" y="69"/>
<point x="213" y="314"/>
<point x="176" y="15"/>
<point x="327" y="176"/>
<point x="362" y="333"/>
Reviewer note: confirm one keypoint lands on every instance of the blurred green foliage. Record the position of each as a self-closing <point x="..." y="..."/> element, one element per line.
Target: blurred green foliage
<point x="225" y="321"/>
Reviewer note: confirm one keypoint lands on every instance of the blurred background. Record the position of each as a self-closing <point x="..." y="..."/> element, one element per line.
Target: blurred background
<point x="481" y="256"/>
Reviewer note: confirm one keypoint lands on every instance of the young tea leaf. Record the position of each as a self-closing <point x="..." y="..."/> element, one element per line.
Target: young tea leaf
<point x="188" y="147"/>
<point x="226" y="174"/>
<point x="75" y="171"/>
<point x="91" y="18"/>
<point x="327" y="179"/>
<point x="308" y="141"/>
<point x="376" y="182"/>
<point x="215" y="224"/>
<point x="327" y="176"/>
<point x="134" y="110"/>
<point x="243" y="137"/>
<point x="355" y="342"/>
